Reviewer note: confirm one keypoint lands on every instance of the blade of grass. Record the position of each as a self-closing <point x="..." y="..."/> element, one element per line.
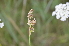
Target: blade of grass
<point x="23" y="12"/>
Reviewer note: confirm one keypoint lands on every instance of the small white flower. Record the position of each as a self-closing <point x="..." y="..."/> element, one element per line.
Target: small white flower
<point x="61" y="11"/>
<point x="1" y="24"/>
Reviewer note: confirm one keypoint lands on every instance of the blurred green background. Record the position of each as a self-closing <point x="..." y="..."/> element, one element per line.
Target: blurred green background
<point x="48" y="30"/>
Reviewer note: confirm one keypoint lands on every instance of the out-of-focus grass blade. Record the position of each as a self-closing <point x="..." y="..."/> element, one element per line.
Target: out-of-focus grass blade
<point x="38" y="26"/>
<point x="48" y="6"/>
<point x="9" y="27"/>
<point x="54" y="3"/>
<point x="38" y="9"/>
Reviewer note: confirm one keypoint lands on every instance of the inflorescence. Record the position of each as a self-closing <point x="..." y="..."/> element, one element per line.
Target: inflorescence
<point x="61" y="11"/>
<point x="31" y="21"/>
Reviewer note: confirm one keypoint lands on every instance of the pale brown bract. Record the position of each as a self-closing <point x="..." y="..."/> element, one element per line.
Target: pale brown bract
<point x="31" y="22"/>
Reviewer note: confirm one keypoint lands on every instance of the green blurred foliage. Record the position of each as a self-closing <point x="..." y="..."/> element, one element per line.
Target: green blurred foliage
<point x="48" y="30"/>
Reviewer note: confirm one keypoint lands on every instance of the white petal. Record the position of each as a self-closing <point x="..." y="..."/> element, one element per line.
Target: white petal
<point x="64" y="5"/>
<point x="61" y="14"/>
<point x="58" y="16"/>
<point x="67" y="3"/>
<point x="67" y="7"/>
<point x="56" y="6"/>
<point x="68" y="15"/>
<point x="63" y="19"/>
<point x="53" y="13"/>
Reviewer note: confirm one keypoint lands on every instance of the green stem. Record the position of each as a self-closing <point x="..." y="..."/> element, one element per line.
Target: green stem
<point x="29" y="41"/>
<point x="29" y="37"/>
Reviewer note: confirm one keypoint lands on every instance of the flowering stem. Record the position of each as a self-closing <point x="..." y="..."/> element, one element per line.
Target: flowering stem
<point x="29" y="41"/>
<point x="31" y="23"/>
<point x="29" y="36"/>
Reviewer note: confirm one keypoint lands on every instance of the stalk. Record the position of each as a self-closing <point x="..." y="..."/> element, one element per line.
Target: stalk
<point x="31" y="23"/>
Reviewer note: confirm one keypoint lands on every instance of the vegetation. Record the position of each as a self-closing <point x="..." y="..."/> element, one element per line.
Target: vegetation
<point x="48" y="30"/>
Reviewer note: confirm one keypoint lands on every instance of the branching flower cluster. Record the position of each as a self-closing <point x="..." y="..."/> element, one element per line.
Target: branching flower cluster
<point x="61" y="11"/>
<point x="31" y="21"/>
<point x="1" y="24"/>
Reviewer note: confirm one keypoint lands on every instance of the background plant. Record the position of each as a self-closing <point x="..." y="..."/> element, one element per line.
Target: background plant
<point x="48" y="30"/>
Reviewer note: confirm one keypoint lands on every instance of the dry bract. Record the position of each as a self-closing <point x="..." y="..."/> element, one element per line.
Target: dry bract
<point x="31" y="22"/>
